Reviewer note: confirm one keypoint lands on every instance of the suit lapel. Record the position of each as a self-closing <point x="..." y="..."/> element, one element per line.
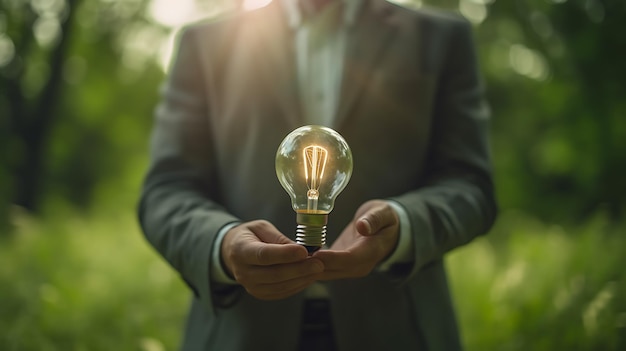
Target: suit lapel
<point x="371" y="33"/>
<point x="367" y="41"/>
<point x="276" y="58"/>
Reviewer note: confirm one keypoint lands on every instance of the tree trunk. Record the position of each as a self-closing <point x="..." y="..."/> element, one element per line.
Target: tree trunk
<point x="33" y="126"/>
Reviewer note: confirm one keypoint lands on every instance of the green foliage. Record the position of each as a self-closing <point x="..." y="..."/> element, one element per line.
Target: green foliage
<point x="530" y="285"/>
<point x="553" y="71"/>
<point x="77" y="96"/>
<point x="74" y="282"/>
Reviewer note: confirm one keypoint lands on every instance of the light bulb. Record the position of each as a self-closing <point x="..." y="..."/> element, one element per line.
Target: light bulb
<point x="313" y="164"/>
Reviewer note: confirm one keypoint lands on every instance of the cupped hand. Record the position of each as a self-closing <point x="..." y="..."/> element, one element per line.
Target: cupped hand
<point x="369" y="238"/>
<point x="266" y="263"/>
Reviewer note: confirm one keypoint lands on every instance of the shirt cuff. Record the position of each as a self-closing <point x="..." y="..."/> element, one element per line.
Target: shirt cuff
<point x="218" y="273"/>
<point x="403" y="252"/>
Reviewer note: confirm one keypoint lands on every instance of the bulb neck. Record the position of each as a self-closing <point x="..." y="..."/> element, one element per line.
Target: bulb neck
<point x="311" y="230"/>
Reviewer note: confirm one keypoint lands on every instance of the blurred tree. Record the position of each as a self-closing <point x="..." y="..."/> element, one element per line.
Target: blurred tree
<point x="555" y="73"/>
<point x="563" y="116"/>
<point x="68" y="70"/>
<point x="31" y="96"/>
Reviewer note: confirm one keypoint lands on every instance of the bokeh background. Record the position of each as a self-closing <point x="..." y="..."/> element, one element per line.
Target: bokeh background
<point x="79" y="81"/>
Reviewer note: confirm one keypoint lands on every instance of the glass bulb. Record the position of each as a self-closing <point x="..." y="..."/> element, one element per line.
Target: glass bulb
<point x="313" y="164"/>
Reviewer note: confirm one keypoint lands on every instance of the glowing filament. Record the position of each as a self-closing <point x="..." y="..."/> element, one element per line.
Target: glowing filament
<point x="314" y="164"/>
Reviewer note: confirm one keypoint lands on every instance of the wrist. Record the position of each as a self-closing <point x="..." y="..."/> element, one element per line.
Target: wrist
<point x="403" y="250"/>
<point x="225" y="249"/>
<point x="221" y="271"/>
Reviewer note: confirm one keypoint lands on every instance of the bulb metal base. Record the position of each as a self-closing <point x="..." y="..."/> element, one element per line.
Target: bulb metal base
<point x="311" y="230"/>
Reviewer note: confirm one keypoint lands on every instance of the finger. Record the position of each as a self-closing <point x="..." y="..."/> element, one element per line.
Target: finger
<point x="343" y="264"/>
<point x="376" y="219"/>
<point x="334" y="259"/>
<point x="264" y="254"/>
<point x="277" y="274"/>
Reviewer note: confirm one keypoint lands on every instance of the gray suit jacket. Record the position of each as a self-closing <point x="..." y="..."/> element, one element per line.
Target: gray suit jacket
<point x="412" y="110"/>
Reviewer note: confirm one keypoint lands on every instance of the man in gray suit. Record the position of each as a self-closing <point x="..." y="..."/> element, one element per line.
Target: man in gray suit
<point x="402" y="86"/>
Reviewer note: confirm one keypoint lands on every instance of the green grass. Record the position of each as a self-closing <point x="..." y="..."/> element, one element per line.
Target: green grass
<point x="72" y="283"/>
<point x="535" y="286"/>
<point x="91" y="282"/>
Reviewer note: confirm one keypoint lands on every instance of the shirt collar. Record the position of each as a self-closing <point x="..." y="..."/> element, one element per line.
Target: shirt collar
<point x="295" y="16"/>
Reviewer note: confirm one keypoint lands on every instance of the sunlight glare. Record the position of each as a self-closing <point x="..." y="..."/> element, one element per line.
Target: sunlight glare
<point x="528" y="62"/>
<point x="170" y="13"/>
<point x="415" y="4"/>
<point x="254" y="4"/>
<point x="474" y="11"/>
<point x="166" y="51"/>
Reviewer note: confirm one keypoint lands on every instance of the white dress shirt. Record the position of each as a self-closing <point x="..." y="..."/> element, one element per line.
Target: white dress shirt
<point x="320" y="42"/>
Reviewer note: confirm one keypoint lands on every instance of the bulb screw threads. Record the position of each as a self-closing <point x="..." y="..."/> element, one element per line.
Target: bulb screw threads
<point x="311" y="230"/>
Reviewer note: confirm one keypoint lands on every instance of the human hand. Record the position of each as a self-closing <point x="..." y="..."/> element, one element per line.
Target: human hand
<point x="266" y="263"/>
<point x="366" y="241"/>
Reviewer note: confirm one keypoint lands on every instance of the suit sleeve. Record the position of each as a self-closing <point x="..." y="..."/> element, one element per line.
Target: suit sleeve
<point x="456" y="202"/>
<point x="177" y="210"/>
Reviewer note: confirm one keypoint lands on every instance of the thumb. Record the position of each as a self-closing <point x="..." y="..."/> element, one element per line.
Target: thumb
<point x="267" y="232"/>
<point x="376" y="219"/>
<point x="363" y="226"/>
